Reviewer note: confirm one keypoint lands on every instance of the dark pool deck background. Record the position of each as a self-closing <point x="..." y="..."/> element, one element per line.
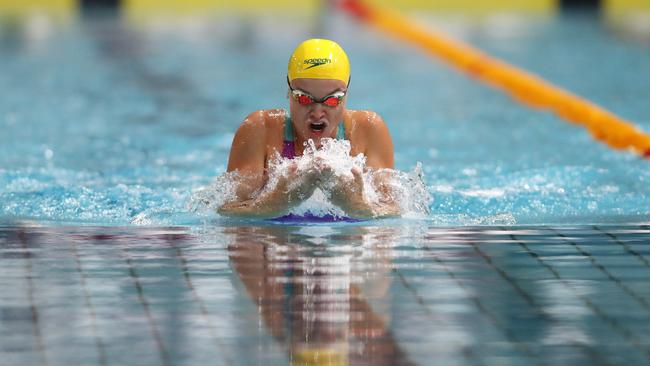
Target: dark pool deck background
<point x="361" y="294"/>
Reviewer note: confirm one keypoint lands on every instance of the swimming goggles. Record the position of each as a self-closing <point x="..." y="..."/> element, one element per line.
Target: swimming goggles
<point x="332" y="100"/>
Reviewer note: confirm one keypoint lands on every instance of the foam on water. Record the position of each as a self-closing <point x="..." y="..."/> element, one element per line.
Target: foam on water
<point x="64" y="195"/>
<point x="407" y="189"/>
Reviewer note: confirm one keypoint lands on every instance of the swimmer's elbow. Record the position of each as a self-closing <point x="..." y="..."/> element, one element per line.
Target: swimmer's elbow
<point x="231" y="209"/>
<point x="388" y="211"/>
<point x="249" y="208"/>
<point x="237" y="209"/>
<point x="374" y="211"/>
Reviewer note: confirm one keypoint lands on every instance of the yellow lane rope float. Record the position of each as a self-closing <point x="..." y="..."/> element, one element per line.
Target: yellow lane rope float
<point x="523" y="86"/>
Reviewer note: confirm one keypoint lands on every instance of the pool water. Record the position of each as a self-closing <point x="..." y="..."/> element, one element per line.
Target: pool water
<point x="116" y="123"/>
<point x="535" y="249"/>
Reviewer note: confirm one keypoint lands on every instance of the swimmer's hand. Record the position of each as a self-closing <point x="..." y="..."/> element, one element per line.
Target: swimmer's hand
<point x="293" y="186"/>
<point x="347" y="192"/>
<point x="300" y="183"/>
<point x="296" y="184"/>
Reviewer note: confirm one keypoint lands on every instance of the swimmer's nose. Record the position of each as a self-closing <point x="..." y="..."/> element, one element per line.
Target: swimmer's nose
<point x="317" y="111"/>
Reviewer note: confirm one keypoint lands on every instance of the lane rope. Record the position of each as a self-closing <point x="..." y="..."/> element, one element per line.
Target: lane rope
<point x="523" y="86"/>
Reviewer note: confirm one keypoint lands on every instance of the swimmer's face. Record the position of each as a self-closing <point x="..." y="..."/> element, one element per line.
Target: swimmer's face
<point x="317" y="120"/>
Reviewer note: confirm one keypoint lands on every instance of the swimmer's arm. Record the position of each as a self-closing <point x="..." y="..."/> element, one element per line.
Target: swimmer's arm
<point x="348" y="195"/>
<point x="386" y="205"/>
<point x="247" y="159"/>
<point x="379" y="155"/>
<point x="254" y="196"/>
<point x="290" y="190"/>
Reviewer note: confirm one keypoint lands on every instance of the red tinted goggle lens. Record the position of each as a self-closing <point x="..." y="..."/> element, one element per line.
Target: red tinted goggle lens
<point x="305" y="99"/>
<point x="330" y="101"/>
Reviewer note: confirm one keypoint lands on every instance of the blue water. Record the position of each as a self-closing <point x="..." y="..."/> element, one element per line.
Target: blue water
<point x="106" y="123"/>
<point x="536" y="249"/>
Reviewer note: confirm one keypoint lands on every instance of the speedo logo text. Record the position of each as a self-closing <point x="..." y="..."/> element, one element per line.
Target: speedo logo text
<point x="316" y="62"/>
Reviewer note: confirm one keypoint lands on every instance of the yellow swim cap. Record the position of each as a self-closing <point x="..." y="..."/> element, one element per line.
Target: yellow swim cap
<point x="319" y="59"/>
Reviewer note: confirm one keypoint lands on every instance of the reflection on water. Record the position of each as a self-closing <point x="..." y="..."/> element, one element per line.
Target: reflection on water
<point x="338" y="295"/>
<point x="315" y="291"/>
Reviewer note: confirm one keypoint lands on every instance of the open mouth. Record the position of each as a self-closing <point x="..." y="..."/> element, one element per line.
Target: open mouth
<point x="317" y="126"/>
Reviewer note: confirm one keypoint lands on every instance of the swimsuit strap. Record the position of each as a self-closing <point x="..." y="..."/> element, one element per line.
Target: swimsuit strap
<point x="288" y="127"/>
<point x="288" y="148"/>
<point x="340" y="134"/>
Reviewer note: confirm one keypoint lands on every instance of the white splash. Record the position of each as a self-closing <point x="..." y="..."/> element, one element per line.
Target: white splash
<point x="407" y="189"/>
<point x="210" y="198"/>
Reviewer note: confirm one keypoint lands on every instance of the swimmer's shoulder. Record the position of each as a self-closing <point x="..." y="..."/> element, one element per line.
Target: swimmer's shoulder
<point x="363" y="122"/>
<point x="369" y="135"/>
<point x="265" y="118"/>
<point x="263" y="123"/>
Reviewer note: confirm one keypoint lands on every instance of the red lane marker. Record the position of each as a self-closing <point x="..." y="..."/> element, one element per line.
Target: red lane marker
<point x="357" y="8"/>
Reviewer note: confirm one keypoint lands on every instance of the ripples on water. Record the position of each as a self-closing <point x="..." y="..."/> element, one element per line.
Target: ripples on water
<point x="348" y="294"/>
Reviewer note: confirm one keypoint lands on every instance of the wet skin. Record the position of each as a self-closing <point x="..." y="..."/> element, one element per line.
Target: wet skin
<point x="260" y="138"/>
